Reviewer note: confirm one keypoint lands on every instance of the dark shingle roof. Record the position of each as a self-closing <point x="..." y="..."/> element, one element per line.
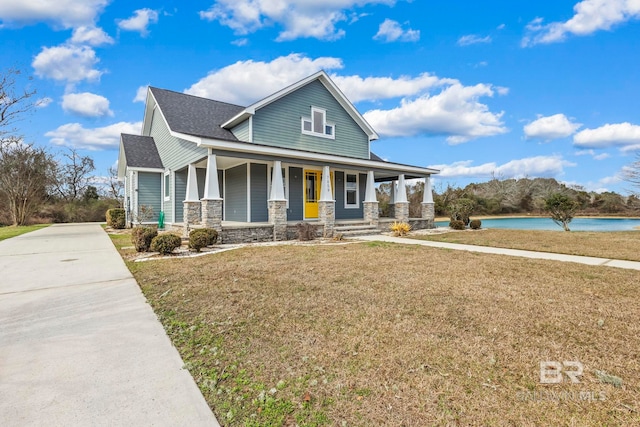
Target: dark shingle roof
<point x="196" y="116"/>
<point x="141" y="152"/>
<point x="374" y="156"/>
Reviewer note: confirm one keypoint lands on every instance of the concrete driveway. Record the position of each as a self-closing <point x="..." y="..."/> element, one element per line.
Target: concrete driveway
<point x="79" y="345"/>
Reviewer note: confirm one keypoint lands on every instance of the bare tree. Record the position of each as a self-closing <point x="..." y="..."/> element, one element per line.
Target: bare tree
<point x="26" y="174"/>
<point x="73" y="175"/>
<point x="115" y="187"/>
<point x="13" y="103"/>
<point x="631" y="174"/>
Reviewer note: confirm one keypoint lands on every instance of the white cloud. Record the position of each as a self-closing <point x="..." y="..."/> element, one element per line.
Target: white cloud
<point x="246" y="82"/>
<point x="300" y="18"/>
<point x="456" y="111"/>
<point x="102" y="138"/>
<point x="590" y="16"/>
<point x="391" y="31"/>
<point x="93" y="36"/>
<point x="67" y="63"/>
<point x="593" y="154"/>
<point x="473" y="39"/>
<point x="140" y="21"/>
<point x="44" y="102"/>
<point x="240" y="42"/>
<point x="623" y="135"/>
<point x="60" y="13"/>
<point x="86" y="104"/>
<point x="358" y="89"/>
<point x="141" y="94"/>
<point x="538" y="166"/>
<point x="550" y="127"/>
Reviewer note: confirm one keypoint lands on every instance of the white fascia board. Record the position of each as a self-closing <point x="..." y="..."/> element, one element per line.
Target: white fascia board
<point x="238" y="118"/>
<point x="154" y="170"/>
<point x="148" y="109"/>
<point x="304" y="155"/>
<point x="122" y="161"/>
<point x="184" y="136"/>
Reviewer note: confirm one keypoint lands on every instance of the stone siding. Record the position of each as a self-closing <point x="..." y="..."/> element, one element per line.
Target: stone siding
<point x="233" y="235"/>
<point x="327" y="215"/>
<point x="370" y="210"/>
<point x="402" y="211"/>
<point x="212" y="214"/>
<point x="192" y="212"/>
<point x="278" y="217"/>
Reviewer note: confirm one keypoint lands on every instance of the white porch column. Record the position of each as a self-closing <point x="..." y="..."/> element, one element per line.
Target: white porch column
<point x="192" y="209"/>
<point x="211" y="187"/>
<point x="427" y="196"/>
<point x="325" y="186"/>
<point x="428" y="207"/>
<point x="326" y="204"/>
<point x="278" y="203"/>
<point x="192" y="185"/>
<point x="401" y="208"/>
<point x="370" y="204"/>
<point x="211" y="203"/>
<point x="277" y="186"/>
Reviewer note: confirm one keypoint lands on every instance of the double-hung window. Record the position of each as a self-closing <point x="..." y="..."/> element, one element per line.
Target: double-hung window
<point x="317" y="124"/>
<point x="350" y="190"/>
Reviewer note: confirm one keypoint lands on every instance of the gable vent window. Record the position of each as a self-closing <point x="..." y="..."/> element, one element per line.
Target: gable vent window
<point x="317" y="124"/>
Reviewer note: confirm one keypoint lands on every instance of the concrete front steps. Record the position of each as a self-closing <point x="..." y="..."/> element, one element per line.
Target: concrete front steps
<point x="355" y="228"/>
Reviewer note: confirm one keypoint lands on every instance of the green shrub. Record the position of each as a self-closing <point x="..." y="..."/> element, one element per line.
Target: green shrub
<point x="202" y="237"/>
<point x="457" y="224"/>
<point x="141" y="237"/>
<point x="165" y="243"/>
<point x="116" y="218"/>
<point x="475" y="224"/>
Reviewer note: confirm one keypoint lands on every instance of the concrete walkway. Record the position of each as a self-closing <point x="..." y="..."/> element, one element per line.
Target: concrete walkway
<point x="79" y="345"/>
<point x="632" y="265"/>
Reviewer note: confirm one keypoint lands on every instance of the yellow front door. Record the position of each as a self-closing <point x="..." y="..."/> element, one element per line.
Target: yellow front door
<point x="311" y="193"/>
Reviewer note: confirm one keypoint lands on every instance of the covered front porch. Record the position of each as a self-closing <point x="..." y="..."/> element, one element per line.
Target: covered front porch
<point x="260" y="199"/>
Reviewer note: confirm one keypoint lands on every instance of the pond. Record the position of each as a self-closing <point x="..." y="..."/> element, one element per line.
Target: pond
<point x="578" y="224"/>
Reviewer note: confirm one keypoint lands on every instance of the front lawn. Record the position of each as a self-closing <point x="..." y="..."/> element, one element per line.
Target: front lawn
<point x="11" y="231"/>
<point x="611" y="245"/>
<point x="381" y="334"/>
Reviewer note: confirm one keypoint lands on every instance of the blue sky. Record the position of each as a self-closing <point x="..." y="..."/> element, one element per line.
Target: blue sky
<point x="477" y="89"/>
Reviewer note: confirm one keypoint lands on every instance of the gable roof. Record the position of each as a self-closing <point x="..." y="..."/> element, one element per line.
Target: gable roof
<point x="140" y="152"/>
<point x="195" y="116"/>
<point x="323" y="78"/>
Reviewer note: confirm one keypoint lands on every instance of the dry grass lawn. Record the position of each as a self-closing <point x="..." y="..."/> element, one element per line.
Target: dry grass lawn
<point x="612" y="245"/>
<point x="378" y="334"/>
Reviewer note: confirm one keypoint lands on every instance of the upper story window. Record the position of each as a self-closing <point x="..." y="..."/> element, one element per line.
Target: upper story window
<point x="317" y="124"/>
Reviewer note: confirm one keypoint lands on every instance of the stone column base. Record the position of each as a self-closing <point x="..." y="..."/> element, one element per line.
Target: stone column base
<point x="212" y="213"/>
<point x="278" y="217"/>
<point x="370" y="211"/>
<point x="392" y="210"/>
<point x="192" y="212"/>
<point x="401" y="211"/>
<point x="429" y="213"/>
<point x="327" y="214"/>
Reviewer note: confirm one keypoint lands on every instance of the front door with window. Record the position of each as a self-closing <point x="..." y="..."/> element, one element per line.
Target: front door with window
<point x="311" y="193"/>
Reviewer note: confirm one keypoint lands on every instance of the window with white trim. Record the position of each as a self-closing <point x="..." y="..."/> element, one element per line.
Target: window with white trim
<point x="317" y="124"/>
<point x="167" y="185"/>
<point x="351" y="190"/>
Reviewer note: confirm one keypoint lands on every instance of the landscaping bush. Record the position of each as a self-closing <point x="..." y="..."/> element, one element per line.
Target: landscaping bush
<point x="141" y="237"/>
<point x="202" y="237"/>
<point x="400" y="229"/>
<point x="116" y="218"/>
<point x="475" y="224"/>
<point x="165" y="243"/>
<point x="306" y="231"/>
<point x="457" y="224"/>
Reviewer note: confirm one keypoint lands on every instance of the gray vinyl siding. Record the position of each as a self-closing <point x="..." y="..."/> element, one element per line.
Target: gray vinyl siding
<point x="296" y="200"/>
<point x="175" y="153"/>
<point x="201" y="175"/>
<point x="279" y="124"/>
<point x="241" y="131"/>
<point x="181" y="194"/>
<point x="150" y="193"/>
<point x="341" y="211"/>
<point x="259" y="207"/>
<point x="236" y="194"/>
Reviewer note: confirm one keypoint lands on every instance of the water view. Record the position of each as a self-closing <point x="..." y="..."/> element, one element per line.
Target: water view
<point x="578" y="224"/>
